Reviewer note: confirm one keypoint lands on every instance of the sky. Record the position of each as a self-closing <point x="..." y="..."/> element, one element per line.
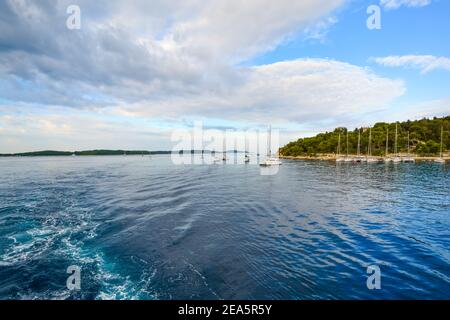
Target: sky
<point x="136" y="71"/>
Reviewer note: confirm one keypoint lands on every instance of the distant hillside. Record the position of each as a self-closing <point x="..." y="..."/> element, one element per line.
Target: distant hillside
<point x="425" y="139"/>
<point x="48" y="153"/>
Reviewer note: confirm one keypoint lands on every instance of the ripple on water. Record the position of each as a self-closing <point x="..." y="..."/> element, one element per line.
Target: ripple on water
<point x="145" y="229"/>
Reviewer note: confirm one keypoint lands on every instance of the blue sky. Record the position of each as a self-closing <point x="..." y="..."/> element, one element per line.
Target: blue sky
<point x="419" y="31"/>
<point x="135" y="71"/>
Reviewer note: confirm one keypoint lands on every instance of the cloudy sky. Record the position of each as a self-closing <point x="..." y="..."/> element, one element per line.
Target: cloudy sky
<point x="137" y="70"/>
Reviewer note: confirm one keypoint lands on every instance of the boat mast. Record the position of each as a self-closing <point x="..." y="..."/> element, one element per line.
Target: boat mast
<point x="396" y="135"/>
<point x="224" y="149"/>
<point x="408" y="143"/>
<point x="369" y="153"/>
<point x="339" y="145"/>
<point x="246" y="157"/>
<point x="347" y="142"/>
<point x="246" y="145"/>
<point x="257" y="143"/>
<point x="387" y="142"/>
<point x="269" y="142"/>
<point x="442" y="141"/>
<point x="359" y="142"/>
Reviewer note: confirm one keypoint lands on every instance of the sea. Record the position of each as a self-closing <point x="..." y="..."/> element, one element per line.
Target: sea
<point x="146" y="228"/>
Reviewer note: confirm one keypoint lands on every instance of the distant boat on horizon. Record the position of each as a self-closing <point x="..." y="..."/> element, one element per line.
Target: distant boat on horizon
<point x="224" y="158"/>
<point x="247" y="157"/>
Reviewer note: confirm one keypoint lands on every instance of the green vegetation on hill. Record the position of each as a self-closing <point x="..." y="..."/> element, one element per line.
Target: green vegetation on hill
<point x="110" y="153"/>
<point x="46" y="153"/>
<point x="82" y="153"/>
<point x="425" y="139"/>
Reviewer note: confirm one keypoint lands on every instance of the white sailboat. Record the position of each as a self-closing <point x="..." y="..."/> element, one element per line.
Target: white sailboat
<point x="270" y="160"/>
<point x="441" y="158"/>
<point x="224" y="158"/>
<point x="408" y="159"/>
<point x="387" y="159"/>
<point x="246" y="158"/>
<point x="347" y="158"/>
<point x="396" y="159"/>
<point x="257" y="146"/>
<point x="371" y="159"/>
<point x="359" y="158"/>
<point x="339" y="158"/>
<point x="215" y="159"/>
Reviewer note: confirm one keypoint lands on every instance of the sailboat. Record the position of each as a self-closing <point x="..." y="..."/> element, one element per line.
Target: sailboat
<point x="270" y="161"/>
<point x="224" y="158"/>
<point x="246" y="158"/>
<point x="215" y="159"/>
<point x="347" y="158"/>
<point x="396" y="159"/>
<point x="441" y="158"/>
<point x="257" y="146"/>
<point x="370" y="159"/>
<point x="409" y="159"/>
<point x="359" y="158"/>
<point x="386" y="156"/>
<point x="339" y="158"/>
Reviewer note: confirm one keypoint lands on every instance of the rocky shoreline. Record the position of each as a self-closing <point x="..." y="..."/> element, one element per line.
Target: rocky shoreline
<point x="333" y="157"/>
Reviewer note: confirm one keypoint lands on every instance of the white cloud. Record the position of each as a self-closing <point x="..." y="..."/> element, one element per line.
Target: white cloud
<point x="317" y="93"/>
<point x="395" y="4"/>
<point x="172" y="60"/>
<point x="156" y="49"/>
<point x="238" y="30"/>
<point x="56" y="129"/>
<point x="299" y="91"/>
<point x="426" y="109"/>
<point x="425" y="63"/>
<point x="408" y="110"/>
<point x="319" y="30"/>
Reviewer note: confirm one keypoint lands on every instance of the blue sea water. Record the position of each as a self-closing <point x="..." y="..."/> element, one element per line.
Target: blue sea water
<point x="144" y="228"/>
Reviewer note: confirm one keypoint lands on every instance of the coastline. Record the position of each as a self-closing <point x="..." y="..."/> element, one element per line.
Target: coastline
<point x="333" y="157"/>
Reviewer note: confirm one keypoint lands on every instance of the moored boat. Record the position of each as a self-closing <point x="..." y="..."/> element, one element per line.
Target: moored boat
<point x="441" y="156"/>
<point x="270" y="160"/>
<point x="408" y="159"/>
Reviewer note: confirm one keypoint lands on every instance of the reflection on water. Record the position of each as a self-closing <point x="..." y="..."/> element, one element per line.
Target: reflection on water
<point x="146" y="229"/>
